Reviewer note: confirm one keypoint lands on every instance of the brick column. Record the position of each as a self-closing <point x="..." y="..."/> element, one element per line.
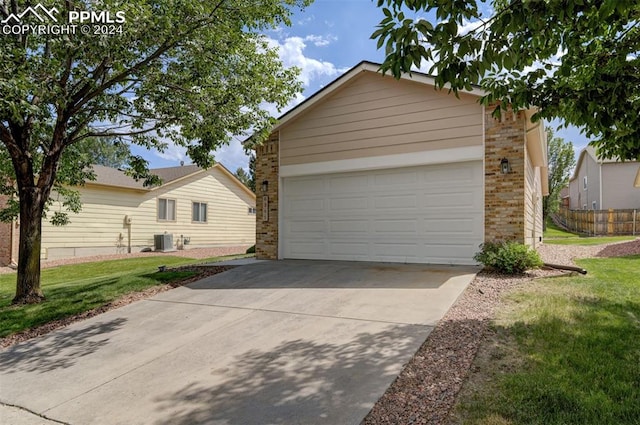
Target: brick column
<point x="504" y="210"/>
<point x="267" y="166"/>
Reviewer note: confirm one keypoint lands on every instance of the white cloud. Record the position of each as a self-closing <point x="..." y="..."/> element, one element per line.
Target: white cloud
<point x="291" y="51"/>
<point x="306" y="20"/>
<point x="232" y="156"/>
<point x="321" y="41"/>
<point x="468" y="26"/>
<point x="174" y="153"/>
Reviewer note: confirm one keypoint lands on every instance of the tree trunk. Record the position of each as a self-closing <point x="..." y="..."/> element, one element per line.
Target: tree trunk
<point x="28" y="281"/>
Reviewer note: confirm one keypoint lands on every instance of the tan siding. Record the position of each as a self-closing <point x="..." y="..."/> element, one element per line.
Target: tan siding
<point x="375" y="115"/>
<point x="101" y="221"/>
<point x="532" y="203"/>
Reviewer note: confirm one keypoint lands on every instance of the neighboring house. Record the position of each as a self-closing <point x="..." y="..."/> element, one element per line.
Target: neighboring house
<point x="372" y="168"/>
<point x="8" y="239"/>
<point x="200" y="208"/>
<point x="600" y="184"/>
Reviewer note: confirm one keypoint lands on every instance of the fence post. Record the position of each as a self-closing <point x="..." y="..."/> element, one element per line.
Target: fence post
<point x="610" y="222"/>
<point x="634" y="222"/>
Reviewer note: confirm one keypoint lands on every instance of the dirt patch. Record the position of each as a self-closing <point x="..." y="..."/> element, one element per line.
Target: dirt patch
<point x="201" y="273"/>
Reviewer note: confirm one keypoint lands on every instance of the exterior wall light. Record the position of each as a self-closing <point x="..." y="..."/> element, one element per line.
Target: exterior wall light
<point x="505" y="168"/>
<point x="265" y="186"/>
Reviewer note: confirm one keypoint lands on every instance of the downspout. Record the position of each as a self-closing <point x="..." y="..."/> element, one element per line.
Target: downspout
<point x="600" y="205"/>
<point x="13" y="253"/>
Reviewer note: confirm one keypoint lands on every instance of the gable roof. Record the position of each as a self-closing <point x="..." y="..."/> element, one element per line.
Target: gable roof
<point x="591" y="151"/>
<point x="364" y="66"/>
<point x="113" y="177"/>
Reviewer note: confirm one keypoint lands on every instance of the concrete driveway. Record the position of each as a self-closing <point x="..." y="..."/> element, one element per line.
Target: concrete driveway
<point x="286" y="342"/>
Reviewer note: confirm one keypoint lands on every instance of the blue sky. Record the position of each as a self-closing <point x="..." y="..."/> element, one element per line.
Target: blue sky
<point x="324" y="40"/>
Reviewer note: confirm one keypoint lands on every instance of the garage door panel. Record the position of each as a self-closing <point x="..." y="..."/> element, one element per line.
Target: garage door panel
<point x="314" y="249"/>
<point x="428" y="214"/>
<point x="347" y="184"/>
<point x="342" y="248"/>
<point x="304" y="186"/>
<point x="401" y="178"/>
<point x="448" y="176"/>
<point x="307" y="227"/>
<point x="450" y="226"/>
<point x="306" y="205"/>
<point x="395" y="201"/>
<point x="338" y="227"/>
<point x="349" y="203"/>
<point x="409" y="226"/>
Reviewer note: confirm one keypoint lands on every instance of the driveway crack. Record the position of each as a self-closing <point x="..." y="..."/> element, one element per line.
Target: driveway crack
<point x="266" y="310"/>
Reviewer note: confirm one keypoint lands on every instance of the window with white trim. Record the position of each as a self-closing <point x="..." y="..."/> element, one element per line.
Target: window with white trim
<point x="199" y="212"/>
<point x="166" y="209"/>
<point x="252" y="211"/>
<point x="584" y="182"/>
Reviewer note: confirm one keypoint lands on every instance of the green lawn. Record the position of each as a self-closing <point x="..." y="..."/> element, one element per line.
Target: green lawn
<point x="565" y="351"/>
<point x="76" y="288"/>
<point x="554" y="235"/>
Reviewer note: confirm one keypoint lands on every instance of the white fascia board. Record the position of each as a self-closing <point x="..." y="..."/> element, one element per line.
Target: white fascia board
<point x="440" y="156"/>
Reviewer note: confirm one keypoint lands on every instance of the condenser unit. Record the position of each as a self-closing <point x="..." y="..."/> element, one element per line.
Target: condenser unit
<point x="163" y="242"/>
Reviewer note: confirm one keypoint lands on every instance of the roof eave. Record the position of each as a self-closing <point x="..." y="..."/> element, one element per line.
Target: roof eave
<point x="364" y="66"/>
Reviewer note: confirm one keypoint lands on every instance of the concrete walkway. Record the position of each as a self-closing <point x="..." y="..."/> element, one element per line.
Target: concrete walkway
<point x="287" y="342"/>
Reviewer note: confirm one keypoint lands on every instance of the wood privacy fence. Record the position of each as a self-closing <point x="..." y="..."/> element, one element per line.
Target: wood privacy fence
<point x="600" y="222"/>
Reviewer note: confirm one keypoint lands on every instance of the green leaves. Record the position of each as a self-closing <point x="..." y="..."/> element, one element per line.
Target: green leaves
<point x="576" y="60"/>
<point x="186" y="72"/>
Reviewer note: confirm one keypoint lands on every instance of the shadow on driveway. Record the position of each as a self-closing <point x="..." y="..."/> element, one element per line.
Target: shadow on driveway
<point x="58" y="350"/>
<point x="297" y="382"/>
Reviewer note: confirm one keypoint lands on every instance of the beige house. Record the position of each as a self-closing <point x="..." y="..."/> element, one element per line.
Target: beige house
<point x="372" y="168"/>
<point x="196" y="207"/>
<point x="600" y="184"/>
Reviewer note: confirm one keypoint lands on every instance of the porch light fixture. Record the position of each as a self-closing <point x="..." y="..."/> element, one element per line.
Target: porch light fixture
<point x="265" y="186"/>
<point x="505" y="168"/>
<point x="637" y="182"/>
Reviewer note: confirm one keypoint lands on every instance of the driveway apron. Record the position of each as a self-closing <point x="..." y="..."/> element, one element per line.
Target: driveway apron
<point x="279" y="342"/>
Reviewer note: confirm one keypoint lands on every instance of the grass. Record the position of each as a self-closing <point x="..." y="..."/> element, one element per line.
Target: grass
<point x="73" y="289"/>
<point x="555" y="235"/>
<point x="565" y="351"/>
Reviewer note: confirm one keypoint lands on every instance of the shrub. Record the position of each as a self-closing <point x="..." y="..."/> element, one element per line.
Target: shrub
<point x="251" y="250"/>
<point x="508" y="257"/>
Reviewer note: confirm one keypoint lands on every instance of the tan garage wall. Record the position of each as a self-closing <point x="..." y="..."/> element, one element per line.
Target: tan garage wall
<point x="375" y="115"/>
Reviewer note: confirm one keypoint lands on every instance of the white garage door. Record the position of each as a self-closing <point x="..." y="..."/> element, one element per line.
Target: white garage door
<point x="426" y="214"/>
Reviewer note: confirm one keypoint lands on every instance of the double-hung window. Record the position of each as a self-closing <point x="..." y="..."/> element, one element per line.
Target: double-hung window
<point x="199" y="212"/>
<point x="166" y="209"/>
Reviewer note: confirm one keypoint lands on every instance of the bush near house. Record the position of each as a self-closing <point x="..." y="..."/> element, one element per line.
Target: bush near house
<point x="507" y="257"/>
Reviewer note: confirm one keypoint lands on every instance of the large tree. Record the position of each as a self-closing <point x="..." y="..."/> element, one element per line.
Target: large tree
<point x="187" y="72"/>
<point x="104" y="151"/>
<point x="574" y="59"/>
<point x="561" y="159"/>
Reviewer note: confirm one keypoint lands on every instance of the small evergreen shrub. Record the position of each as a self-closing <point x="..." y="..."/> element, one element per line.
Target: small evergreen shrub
<point x="251" y="250"/>
<point x="508" y="257"/>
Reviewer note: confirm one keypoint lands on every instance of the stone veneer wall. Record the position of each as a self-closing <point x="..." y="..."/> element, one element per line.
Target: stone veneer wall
<point x="267" y="167"/>
<point x="504" y="209"/>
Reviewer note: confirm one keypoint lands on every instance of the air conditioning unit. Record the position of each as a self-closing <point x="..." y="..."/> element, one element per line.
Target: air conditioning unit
<point x="163" y="242"/>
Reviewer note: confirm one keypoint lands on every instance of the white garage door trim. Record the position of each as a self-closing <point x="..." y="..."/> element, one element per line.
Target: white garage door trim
<point x="424" y="214"/>
<point x="439" y="156"/>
